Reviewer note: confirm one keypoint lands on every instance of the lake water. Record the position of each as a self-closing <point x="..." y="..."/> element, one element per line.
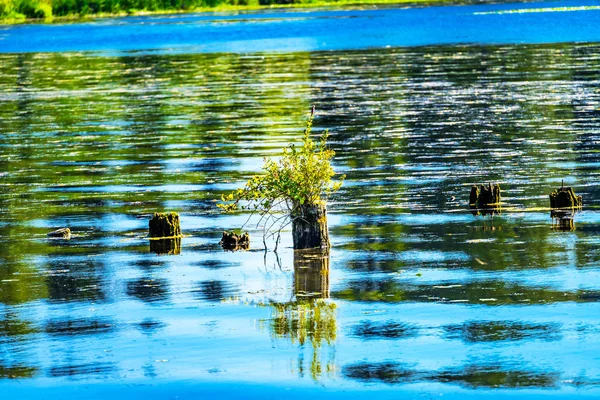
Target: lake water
<point x="104" y="123"/>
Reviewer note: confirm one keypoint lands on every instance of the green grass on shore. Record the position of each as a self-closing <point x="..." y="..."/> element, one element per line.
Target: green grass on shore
<point x="51" y="11"/>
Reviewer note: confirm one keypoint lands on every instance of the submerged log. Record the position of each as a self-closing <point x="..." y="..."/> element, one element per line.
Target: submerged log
<point x="564" y="197"/>
<point x="63" y="233"/>
<point x="165" y="225"/>
<point x="311" y="274"/>
<point x="309" y="227"/>
<point x="166" y="246"/>
<point x="232" y="241"/>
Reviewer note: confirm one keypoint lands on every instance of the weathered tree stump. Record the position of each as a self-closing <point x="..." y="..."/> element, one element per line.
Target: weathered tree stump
<point x="485" y="196"/>
<point x="311" y="274"/>
<point x="309" y="227"/>
<point x="166" y="246"/>
<point x="62" y="233"/>
<point x="165" y="225"/>
<point x="564" y="197"/>
<point x="232" y="241"/>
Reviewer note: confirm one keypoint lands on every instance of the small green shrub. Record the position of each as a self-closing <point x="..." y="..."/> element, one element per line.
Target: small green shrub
<point x="303" y="176"/>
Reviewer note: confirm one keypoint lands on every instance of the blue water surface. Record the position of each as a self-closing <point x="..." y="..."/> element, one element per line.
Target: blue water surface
<point x="312" y="30"/>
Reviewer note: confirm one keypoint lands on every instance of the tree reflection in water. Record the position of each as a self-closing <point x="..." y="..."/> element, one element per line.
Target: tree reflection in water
<point x="310" y="318"/>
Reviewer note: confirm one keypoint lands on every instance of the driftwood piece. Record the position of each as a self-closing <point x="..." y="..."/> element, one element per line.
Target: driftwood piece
<point x="309" y="227"/>
<point x="232" y="241"/>
<point x="62" y="233"/>
<point x="165" y="225"/>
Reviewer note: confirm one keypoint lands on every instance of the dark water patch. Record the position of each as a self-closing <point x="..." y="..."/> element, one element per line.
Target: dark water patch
<point x="149" y="290"/>
<point x="496" y="377"/>
<point x="471" y="376"/>
<point x="73" y="281"/>
<point x="13" y="328"/>
<point x="482" y="293"/>
<point x="388" y="372"/>
<point x="214" y="290"/>
<point x="369" y="330"/>
<point x="17" y="371"/>
<point x="499" y="331"/>
<point x="150" y="326"/>
<point x="79" y="327"/>
<point x="96" y="370"/>
<point x="216" y="264"/>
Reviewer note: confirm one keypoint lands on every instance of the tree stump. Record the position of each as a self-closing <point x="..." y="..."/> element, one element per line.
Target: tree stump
<point x="165" y="225"/>
<point x="309" y="227"/>
<point x="232" y="241"/>
<point x="485" y="197"/>
<point x="564" y="197"/>
<point x="311" y="274"/>
<point x="166" y="246"/>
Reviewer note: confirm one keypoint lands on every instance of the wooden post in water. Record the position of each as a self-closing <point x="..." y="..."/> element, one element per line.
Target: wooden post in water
<point x="309" y="227"/>
<point x="485" y="199"/>
<point x="165" y="225"/>
<point x="564" y="197"/>
<point x="165" y="233"/>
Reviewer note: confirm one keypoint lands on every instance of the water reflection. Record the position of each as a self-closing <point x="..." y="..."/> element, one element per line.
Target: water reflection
<point x="166" y="246"/>
<point x="96" y="370"/>
<point x="311" y="274"/>
<point x="14" y="328"/>
<point x="563" y="220"/>
<point x="473" y="376"/>
<point x="384" y="330"/>
<point x="480" y="292"/>
<point x="215" y="290"/>
<point x="494" y="331"/>
<point x="95" y="143"/>
<point x="148" y="289"/>
<point x="77" y="327"/>
<point x="309" y="319"/>
<point x="17" y="371"/>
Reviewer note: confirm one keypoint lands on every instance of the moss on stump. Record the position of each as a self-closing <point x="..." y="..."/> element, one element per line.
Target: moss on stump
<point x="165" y="225"/>
<point x="564" y="197"/>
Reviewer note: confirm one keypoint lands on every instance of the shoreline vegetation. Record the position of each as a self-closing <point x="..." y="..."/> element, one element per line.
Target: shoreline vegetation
<point x="52" y="11"/>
